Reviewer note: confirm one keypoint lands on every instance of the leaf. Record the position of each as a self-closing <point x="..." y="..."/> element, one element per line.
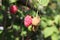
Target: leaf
<point x="1" y="17"/>
<point x="57" y="19"/>
<point x="44" y="2"/>
<point x="31" y="12"/>
<point x="3" y="7"/>
<point x="30" y="28"/>
<point x="59" y="37"/>
<point x="50" y="22"/>
<point x="54" y="37"/>
<point x="12" y="1"/>
<point x="16" y="27"/>
<point x="44" y="18"/>
<point x="55" y="29"/>
<point x="1" y="31"/>
<point x="17" y="38"/>
<point x="39" y="4"/>
<point x="58" y="0"/>
<point x="49" y="31"/>
<point x="23" y="33"/>
<point x="43" y="24"/>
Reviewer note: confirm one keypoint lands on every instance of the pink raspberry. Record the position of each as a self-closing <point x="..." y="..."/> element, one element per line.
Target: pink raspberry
<point x="27" y="20"/>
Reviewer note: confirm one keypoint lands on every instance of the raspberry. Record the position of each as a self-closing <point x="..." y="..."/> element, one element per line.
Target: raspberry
<point x="13" y="9"/>
<point x="36" y="20"/>
<point x="27" y="20"/>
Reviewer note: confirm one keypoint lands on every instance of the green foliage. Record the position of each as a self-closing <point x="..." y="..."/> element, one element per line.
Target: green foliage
<point x="57" y="19"/>
<point x="54" y="36"/>
<point x="13" y="24"/>
<point x="23" y="33"/>
<point x="44" y="2"/>
<point x="37" y="3"/>
<point x="16" y="27"/>
<point x="12" y="1"/>
<point x="49" y="31"/>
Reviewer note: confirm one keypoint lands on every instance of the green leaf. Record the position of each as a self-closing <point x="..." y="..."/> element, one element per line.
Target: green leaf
<point x="39" y="4"/>
<point x="54" y="37"/>
<point x="57" y="19"/>
<point x="1" y="31"/>
<point x="50" y="23"/>
<point x="59" y="37"/>
<point x="44" y="18"/>
<point x="16" y="27"/>
<point x="30" y="28"/>
<point x="44" y="2"/>
<point x="58" y="0"/>
<point x="44" y="21"/>
<point x="17" y="38"/>
<point x="23" y="33"/>
<point x="12" y="1"/>
<point x="55" y="29"/>
<point x="31" y="12"/>
<point x="49" y="31"/>
<point x="43" y="24"/>
<point x="1" y="16"/>
<point x="3" y="7"/>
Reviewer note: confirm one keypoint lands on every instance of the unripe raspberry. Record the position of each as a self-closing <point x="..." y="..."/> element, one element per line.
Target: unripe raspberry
<point x="36" y="20"/>
<point x="27" y="20"/>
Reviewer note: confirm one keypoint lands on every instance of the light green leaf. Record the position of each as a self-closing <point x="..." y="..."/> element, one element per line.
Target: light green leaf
<point x="57" y="19"/>
<point x="54" y="37"/>
<point x="39" y="4"/>
<point x="30" y="28"/>
<point x="43" y="24"/>
<point x="12" y="1"/>
<point x="55" y="29"/>
<point x="23" y="33"/>
<point x="17" y="38"/>
<point x="16" y="27"/>
<point x="59" y="37"/>
<point x="58" y="0"/>
<point x="50" y="22"/>
<point x="44" y="2"/>
<point x="49" y="31"/>
<point x="1" y="31"/>
<point x="44" y="18"/>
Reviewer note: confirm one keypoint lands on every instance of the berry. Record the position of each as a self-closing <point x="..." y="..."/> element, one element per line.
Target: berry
<point x="28" y="21"/>
<point x="36" y="20"/>
<point x="13" y="9"/>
